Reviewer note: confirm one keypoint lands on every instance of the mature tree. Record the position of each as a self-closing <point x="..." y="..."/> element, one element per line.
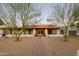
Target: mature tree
<point x="77" y="25"/>
<point x="1" y="22"/>
<point x="75" y="15"/>
<point x="22" y="13"/>
<point x="8" y="15"/>
<point x="62" y="15"/>
<point x="27" y="13"/>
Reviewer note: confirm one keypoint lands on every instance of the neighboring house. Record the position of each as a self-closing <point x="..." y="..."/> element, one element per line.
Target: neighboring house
<point x="73" y="31"/>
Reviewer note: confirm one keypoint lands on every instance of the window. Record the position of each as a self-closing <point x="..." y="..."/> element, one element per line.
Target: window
<point x="52" y="31"/>
<point x="49" y="31"/>
<point x="30" y="31"/>
<point x="62" y="32"/>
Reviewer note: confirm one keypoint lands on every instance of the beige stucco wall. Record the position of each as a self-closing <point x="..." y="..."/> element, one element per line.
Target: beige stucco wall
<point x="33" y="33"/>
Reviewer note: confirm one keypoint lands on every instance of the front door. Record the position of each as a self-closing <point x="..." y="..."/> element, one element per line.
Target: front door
<point x="40" y="32"/>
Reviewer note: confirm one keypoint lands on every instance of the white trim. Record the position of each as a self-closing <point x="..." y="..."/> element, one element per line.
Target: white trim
<point x="55" y="35"/>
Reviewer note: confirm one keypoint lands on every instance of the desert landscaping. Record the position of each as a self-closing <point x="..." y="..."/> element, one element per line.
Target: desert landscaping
<point x="39" y="46"/>
<point x="38" y="29"/>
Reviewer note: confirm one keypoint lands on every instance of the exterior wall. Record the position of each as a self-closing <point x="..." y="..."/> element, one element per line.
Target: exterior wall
<point x="32" y="32"/>
<point x="52" y="31"/>
<point x="8" y="32"/>
<point x="28" y="33"/>
<point x="1" y="31"/>
<point x="77" y="33"/>
<point x="55" y="32"/>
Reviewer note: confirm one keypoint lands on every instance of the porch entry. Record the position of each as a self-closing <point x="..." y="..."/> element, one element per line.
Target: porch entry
<point x="40" y="32"/>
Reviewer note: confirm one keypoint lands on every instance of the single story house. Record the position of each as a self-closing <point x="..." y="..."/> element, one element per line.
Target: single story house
<point x="35" y="30"/>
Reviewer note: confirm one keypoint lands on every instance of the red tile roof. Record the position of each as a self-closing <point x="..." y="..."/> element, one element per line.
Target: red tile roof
<point x="43" y="26"/>
<point x="35" y="26"/>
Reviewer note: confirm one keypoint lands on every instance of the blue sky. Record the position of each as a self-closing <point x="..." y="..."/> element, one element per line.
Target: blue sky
<point x="45" y="10"/>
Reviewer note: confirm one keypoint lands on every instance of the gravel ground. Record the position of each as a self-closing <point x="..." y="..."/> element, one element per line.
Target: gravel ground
<point x="39" y="46"/>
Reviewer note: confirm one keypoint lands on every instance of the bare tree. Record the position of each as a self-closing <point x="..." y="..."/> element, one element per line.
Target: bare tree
<point x="75" y="15"/>
<point x="62" y="15"/>
<point x="25" y="13"/>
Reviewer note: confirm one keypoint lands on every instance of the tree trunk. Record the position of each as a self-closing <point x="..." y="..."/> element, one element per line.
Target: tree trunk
<point x="16" y="35"/>
<point x="24" y="31"/>
<point x="17" y="38"/>
<point x="66" y="33"/>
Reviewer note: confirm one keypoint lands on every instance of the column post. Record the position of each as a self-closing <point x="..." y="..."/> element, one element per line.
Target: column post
<point x="58" y="32"/>
<point x="46" y="32"/>
<point x="33" y="32"/>
<point x="12" y="32"/>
